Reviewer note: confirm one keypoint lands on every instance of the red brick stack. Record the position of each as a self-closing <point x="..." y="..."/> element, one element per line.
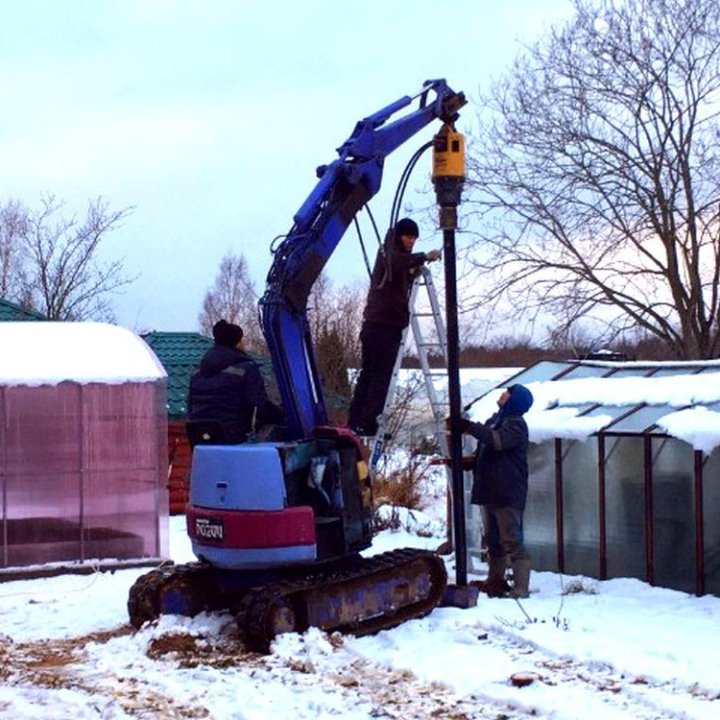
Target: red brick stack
<point x="179" y="455"/>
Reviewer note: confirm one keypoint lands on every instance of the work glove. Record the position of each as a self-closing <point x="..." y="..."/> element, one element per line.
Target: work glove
<point x="465" y="425"/>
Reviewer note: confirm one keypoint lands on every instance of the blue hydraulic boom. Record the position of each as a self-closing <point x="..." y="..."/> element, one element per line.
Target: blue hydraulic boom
<point x="344" y="187"/>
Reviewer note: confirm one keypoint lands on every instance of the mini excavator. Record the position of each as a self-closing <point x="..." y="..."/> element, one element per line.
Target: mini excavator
<point x="278" y="526"/>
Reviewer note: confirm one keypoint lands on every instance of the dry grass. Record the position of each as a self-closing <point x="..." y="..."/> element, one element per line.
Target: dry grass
<point x="400" y="488"/>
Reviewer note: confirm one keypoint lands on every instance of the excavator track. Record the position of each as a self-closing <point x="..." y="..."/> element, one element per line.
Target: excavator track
<point x="361" y="598"/>
<point x="173" y="589"/>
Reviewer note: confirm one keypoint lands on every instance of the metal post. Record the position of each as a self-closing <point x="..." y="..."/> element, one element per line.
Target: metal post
<point x="649" y="514"/>
<point x="455" y="406"/>
<point x="82" y="470"/>
<point x="448" y="179"/>
<point x="602" y="508"/>
<point x="559" y="507"/>
<point x="4" y="474"/>
<point x="699" y="526"/>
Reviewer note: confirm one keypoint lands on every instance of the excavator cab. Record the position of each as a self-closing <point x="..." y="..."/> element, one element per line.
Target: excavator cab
<point x="271" y="504"/>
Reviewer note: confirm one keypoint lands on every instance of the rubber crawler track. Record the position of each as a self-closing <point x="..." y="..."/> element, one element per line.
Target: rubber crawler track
<point x="384" y="591"/>
<point x="195" y="580"/>
<point x="258" y="609"/>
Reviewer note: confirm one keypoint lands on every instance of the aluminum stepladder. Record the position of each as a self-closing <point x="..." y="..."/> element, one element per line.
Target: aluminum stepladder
<point x="424" y="347"/>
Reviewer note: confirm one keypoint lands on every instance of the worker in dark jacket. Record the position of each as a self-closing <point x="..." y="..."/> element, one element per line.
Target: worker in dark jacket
<point x="386" y="316"/>
<point x="228" y="387"/>
<point x="500" y="486"/>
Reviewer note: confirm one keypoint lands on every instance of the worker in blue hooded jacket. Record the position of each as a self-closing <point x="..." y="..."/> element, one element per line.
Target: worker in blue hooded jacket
<point x="500" y="486"/>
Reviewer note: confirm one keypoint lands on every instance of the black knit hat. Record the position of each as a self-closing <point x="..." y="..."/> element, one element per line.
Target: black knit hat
<point x="226" y="333"/>
<point x="406" y="226"/>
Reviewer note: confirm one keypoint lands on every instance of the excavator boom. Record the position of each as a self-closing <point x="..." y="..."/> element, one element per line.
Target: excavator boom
<point x="344" y="187"/>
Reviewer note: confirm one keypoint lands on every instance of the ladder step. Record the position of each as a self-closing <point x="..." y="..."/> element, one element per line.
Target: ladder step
<point x="439" y="408"/>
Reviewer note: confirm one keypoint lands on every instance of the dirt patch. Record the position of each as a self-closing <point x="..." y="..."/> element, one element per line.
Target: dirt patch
<point x="190" y="651"/>
<point x="57" y="664"/>
<point x="49" y="663"/>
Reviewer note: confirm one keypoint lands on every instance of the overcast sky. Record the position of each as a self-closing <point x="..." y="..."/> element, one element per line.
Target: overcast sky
<point x="210" y="117"/>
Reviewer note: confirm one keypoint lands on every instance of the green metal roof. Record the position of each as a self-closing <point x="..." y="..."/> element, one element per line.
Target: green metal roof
<point x="10" y="312"/>
<point x="180" y="354"/>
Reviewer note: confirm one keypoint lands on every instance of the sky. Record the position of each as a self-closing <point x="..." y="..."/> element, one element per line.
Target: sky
<point x="210" y="118"/>
<point x="590" y="650"/>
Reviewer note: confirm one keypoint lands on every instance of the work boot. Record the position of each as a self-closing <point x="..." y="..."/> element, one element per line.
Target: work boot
<point x="495" y="585"/>
<point x="521" y="578"/>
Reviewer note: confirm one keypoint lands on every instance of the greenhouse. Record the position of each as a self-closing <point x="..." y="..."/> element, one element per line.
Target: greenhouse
<point x="624" y="471"/>
<point x="82" y="446"/>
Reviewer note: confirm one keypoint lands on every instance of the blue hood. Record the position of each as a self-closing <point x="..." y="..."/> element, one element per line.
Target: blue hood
<point x="519" y="402"/>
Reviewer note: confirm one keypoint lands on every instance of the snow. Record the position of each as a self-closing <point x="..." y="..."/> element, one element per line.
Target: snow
<point x="697" y="426"/>
<point x="614" y="649"/>
<point x="557" y="404"/>
<point x="47" y="353"/>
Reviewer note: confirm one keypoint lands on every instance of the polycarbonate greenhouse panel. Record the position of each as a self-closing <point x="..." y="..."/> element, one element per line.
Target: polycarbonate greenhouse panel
<point x="545" y="370"/>
<point x="625" y="506"/>
<point x="586" y="371"/>
<point x="613" y="411"/>
<point x="672" y="514"/>
<point x="83" y="472"/>
<point x="641" y="420"/>
<point x="580" y="409"/>
<point x="681" y="370"/>
<point x="580" y="506"/>
<point x="540" y="520"/>
<point x="629" y="372"/>
<point x="711" y="525"/>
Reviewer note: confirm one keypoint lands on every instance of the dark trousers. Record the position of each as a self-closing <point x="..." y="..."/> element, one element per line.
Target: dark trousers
<point x="504" y="532"/>
<point x="380" y="345"/>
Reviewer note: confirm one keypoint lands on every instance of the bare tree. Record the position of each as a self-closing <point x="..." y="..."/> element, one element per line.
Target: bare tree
<point x="335" y="317"/>
<point x="233" y="297"/>
<point x="49" y="262"/>
<point x="596" y="175"/>
<point x="13" y="231"/>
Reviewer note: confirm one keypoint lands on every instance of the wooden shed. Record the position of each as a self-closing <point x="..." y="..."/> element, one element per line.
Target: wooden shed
<point x="82" y="445"/>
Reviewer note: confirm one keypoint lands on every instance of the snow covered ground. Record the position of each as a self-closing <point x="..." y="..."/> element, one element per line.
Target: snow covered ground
<point x="616" y="649"/>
